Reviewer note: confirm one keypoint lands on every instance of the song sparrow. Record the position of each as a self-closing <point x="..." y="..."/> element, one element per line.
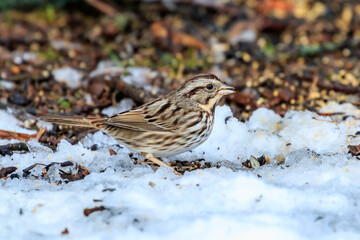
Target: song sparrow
<point x="166" y="126"/>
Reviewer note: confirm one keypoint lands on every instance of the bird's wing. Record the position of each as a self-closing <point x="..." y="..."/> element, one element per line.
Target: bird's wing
<point x="134" y="120"/>
<point x="157" y="115"/>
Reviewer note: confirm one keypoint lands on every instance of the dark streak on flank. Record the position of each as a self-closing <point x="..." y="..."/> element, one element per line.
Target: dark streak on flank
<point x="193" y="132"/>
<point x="168" y="144"/>
<point x="176" y="121"/>
<point x="202" y="130"/>
<point x="166" y="138"/>
<point x="181" y="143"/>
<point x="194" y="123"/>
<point x="153" y="136"/>
<point x="176" y="137"/>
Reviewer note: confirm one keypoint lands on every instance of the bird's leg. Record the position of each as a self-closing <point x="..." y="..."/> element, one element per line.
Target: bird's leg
<point x="153" y="159"/>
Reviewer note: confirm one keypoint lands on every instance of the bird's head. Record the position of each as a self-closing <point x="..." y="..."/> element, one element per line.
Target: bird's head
<point x="204" y="90"/>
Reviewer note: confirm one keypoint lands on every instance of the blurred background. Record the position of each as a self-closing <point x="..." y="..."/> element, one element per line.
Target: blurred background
<point x="98" y="57"/>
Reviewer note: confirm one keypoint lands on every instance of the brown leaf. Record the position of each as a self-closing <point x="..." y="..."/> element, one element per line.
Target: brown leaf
<point x="159" y="30"/>
<point x="112" y="152"/>
<point x="65" y="232"/>
<point x="287" y="94"/>
<point x="244" y="98"/>
<point x="170" y="40"/>
<point x="188" y="41"/>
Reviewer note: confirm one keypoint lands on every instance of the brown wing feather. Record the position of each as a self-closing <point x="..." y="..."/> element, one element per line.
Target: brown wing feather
<point x="72" y="120"/>
<point x="133" y="119"/>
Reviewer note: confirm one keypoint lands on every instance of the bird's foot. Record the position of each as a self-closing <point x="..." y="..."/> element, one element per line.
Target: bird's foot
<point x="154" y="160"/>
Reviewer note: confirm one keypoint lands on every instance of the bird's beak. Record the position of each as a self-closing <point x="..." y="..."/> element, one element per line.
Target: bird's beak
<point x="226" y="89"/>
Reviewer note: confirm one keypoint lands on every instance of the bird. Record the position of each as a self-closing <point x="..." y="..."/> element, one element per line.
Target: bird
<point x="166" y="126"/>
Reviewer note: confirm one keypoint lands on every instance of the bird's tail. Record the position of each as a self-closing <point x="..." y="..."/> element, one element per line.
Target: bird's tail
<point x="73" y="121"/>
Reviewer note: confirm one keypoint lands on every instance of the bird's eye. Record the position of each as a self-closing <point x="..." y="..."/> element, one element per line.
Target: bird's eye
<point x="209" y="86"/>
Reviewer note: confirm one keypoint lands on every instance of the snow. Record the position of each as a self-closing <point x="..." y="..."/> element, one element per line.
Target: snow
<point x="313" y="194"/>
<point x="6" y="84"/>
<point x="10" y="123"/>
<point x="106" y="68"/>
<point x="70" y="76"/>
<point x="20" y="57"/>
<point x="141" y="77"/>
<point x="124" y="105"/>
<point x="136" y="76"/>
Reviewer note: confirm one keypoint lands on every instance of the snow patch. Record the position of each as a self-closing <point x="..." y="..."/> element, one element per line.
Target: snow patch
<point x="124" y="105"/>
<point x="10" y="123"/>
<point x="70" y="76"/>
<point x="312" y="194"/>
<point x="140" y="76"/>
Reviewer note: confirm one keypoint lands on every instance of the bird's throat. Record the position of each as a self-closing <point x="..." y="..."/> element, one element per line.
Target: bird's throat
<point x="210" y="105"/>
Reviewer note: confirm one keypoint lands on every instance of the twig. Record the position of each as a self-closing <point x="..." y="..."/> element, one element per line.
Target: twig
<point x="10" y="148"/>
<point x="14" y="135"/>
<point x="88" y="211"/>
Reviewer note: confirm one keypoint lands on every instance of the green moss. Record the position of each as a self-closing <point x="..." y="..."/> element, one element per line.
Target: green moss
<point x="50" y="54"/>
<point x="64" y="103"/>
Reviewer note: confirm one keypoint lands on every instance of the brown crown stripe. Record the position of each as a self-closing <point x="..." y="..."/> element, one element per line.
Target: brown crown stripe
<point x="205" y="75"/>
